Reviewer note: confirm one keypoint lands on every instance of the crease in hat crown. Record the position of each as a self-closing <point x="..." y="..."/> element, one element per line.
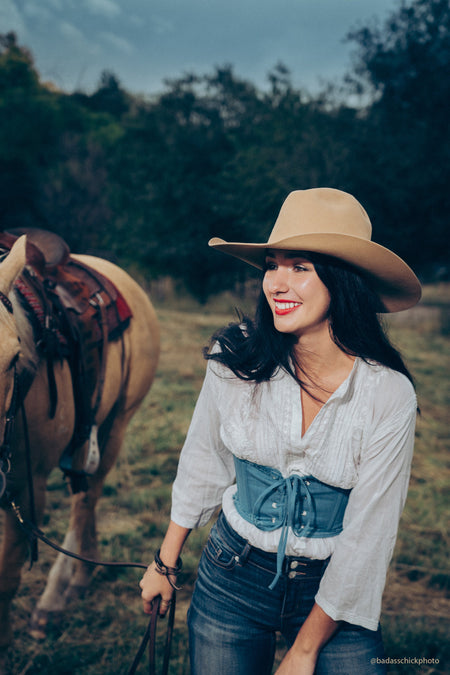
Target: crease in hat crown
<point x="320" y="210"/>
<point x="333" y="222"/>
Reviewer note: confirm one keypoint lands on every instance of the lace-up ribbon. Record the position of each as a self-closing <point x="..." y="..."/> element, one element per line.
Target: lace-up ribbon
<point x="303" y="504"/>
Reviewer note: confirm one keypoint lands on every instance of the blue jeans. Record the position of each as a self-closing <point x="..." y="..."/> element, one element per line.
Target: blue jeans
<point x="233" y="617"/>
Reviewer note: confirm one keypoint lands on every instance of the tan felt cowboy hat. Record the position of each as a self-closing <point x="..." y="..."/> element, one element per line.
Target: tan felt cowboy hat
<point x="329" y="221"/>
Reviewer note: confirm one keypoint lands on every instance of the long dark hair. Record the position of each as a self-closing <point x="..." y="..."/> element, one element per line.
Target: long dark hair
<point x="254" y="350"/>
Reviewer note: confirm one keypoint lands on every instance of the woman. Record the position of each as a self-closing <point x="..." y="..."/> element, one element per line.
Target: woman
<point x="312" y="411"/>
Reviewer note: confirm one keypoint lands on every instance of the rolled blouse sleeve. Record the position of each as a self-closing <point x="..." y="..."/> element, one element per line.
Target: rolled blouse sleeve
<point x="352" y="586"/>
<point x="206" y="466"/>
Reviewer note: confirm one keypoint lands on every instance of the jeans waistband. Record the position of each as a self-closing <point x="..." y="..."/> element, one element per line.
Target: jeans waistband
<point x="292" y="565"/>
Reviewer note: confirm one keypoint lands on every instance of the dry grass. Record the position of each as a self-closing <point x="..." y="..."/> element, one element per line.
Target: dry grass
<point x="101" y="633"/>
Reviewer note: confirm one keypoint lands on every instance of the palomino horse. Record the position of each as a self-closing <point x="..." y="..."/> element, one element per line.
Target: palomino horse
<point x="129" y="372"/>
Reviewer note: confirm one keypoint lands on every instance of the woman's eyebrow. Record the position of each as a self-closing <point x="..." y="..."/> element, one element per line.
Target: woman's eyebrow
<point x="291" y="255"/>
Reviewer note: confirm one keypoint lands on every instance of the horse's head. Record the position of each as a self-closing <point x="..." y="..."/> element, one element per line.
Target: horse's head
<point x="10" y="269"/>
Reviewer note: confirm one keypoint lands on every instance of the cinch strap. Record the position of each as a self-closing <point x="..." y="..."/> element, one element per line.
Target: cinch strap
<point x="306" y="505"/>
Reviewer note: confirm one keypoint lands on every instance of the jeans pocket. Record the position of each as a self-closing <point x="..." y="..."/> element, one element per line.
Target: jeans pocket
<point x="219" y="553"/>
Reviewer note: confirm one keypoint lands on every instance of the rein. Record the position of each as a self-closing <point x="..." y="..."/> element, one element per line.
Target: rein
<point x="5" y="449"/>
<point x="34" y="533"/>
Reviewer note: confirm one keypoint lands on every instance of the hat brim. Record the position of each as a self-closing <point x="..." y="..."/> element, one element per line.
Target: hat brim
<point x="393" y="280"/>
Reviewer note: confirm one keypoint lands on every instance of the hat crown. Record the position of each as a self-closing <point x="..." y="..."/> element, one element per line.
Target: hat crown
<point x="321" y="211"/>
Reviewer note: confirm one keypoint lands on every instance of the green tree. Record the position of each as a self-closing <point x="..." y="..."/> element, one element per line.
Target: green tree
<point x="402" y="157"/>
<point x="53" y="152"/>
<point x="168" y="167"/>
<point x="28" y="128"/>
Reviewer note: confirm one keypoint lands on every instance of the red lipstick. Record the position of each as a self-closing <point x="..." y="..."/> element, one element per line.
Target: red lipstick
<point x="283" y="307"/>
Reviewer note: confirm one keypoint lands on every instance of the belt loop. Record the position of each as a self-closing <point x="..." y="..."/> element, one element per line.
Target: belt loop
<point x="244" y="554"/>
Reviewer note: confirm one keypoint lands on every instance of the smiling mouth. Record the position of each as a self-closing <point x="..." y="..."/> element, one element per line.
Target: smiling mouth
<point x="283" y="307"/>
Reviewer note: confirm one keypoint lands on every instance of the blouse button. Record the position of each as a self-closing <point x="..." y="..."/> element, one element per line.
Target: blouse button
<point x="303" y="513"/>
<point x="274" y="505"/>
<point x="273" y="520"/>
<point x="307" y="482"/>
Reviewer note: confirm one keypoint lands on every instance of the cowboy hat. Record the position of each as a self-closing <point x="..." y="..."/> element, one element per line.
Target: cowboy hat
<point x="332" y="222"/>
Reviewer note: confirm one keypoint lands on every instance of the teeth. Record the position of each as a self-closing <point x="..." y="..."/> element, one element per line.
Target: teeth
<point x="286" y="305"/>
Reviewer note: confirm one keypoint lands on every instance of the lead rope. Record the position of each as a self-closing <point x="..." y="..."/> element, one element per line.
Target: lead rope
<point x="32" y="506"/>
<point x="33" y="533"/>
<point x="150" y="637"/>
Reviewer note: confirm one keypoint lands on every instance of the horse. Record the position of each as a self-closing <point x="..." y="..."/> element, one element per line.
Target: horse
<point x="129" y="370"/>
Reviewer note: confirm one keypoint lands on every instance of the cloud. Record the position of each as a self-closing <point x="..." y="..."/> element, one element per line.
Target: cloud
<point x="135" y="20"/>
<point x="71" y="32"/>
<point x="118" y="42"/>
<point x="36" y="12"/>
<point x="105" y="8"/>
<point x="11" y="19"/>
<point x="56" y="4"/>
<point x="162" y="26"/>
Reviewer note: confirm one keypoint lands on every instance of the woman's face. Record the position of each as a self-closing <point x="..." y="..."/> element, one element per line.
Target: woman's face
<point x="299" y="300"/>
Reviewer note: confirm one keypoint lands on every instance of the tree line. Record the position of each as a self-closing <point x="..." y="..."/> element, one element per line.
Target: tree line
<point x="151" y="179"/>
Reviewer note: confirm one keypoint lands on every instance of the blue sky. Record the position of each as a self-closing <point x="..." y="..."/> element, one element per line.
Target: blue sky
<point x="145" y="41"/>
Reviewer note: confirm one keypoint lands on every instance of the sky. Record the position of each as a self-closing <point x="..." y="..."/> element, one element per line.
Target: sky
<point x="144" y="42"/>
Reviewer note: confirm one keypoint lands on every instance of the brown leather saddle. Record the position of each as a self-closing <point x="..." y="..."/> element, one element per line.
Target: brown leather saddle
<point x="75" y="311"/>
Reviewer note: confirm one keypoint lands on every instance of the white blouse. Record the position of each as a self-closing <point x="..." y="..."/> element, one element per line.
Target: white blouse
<point x="362" y="438"/>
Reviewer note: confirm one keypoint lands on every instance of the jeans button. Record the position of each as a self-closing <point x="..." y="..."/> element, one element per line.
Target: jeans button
<point x="294" y="565"/>
<point x="292" y="575"/>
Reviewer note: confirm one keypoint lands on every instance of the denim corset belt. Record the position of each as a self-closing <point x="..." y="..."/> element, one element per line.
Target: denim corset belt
<point x="306" y="505"/>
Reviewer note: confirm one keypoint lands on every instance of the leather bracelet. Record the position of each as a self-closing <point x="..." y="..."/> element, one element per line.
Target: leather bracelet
<point x="167" y="571"/>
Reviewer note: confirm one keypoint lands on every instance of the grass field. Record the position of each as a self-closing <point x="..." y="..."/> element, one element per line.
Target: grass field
<point x="101" y="633"/>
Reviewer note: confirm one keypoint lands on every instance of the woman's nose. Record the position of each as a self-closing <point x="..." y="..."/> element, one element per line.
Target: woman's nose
<point x="278" y="280"/>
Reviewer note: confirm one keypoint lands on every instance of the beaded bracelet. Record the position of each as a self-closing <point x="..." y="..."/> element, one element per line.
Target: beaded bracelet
<point x="166" y="571"/>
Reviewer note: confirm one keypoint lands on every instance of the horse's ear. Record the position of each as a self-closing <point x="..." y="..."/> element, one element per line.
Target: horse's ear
<point x="13" y="264"/>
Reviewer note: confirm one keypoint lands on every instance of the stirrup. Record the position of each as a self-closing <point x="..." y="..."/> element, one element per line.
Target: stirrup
<point x="93" y="454"/>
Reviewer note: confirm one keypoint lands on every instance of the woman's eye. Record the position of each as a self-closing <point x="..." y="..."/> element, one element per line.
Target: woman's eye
<point x="269" y="266"/>
<point x="300" y="268"/>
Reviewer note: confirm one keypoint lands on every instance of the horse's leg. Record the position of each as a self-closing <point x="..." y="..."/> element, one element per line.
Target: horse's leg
<point x="12" y="558"/>
<point x="69" y="578"/>
<point x="13" y="554"/>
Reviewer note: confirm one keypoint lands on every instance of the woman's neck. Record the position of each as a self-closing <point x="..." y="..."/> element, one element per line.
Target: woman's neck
<point x="323" y="363"/>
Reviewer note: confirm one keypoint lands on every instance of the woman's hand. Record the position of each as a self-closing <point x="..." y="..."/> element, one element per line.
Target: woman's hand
<point x="301" y="658"/>
<point x="295" y="663"/>
<point x="153" y="585"/>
